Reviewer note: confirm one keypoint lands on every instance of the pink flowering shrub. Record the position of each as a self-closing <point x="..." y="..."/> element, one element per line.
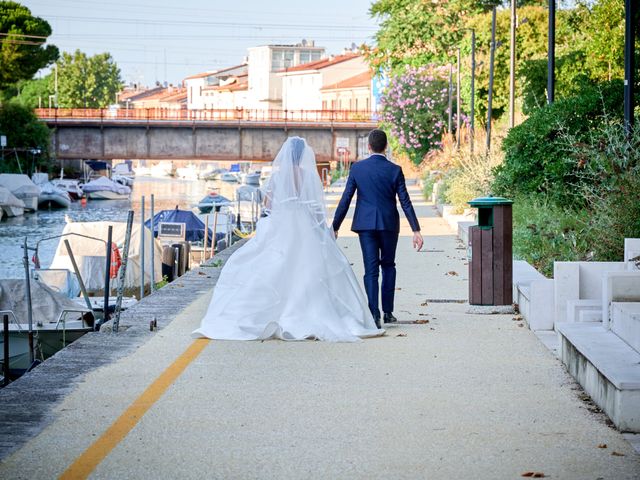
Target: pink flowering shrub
<point x="414" y="110"/>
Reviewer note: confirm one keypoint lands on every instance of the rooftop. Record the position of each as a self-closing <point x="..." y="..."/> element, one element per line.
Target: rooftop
<point x="320" y="64"/>
<point x="361" y="80"/>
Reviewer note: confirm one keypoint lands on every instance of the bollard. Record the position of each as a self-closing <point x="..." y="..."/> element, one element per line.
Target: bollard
<point x="5" y="334"/>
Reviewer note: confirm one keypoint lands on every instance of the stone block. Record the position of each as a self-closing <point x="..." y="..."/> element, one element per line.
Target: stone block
<point x="576" y="309"/>
<point x="625" y="322"/>
<point x="618" y="287"/>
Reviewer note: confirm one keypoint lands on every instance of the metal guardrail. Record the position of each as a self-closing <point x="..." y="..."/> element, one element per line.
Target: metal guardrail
<point x="249" y="115"/>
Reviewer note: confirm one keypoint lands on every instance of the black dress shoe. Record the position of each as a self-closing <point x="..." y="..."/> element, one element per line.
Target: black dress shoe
<point x="377" y="320"/>
<point x="389" y="318"/>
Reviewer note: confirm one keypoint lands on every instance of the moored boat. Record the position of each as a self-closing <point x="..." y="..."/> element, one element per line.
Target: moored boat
<point x="22" y="187"/>
<point x="212" y="200"/>
<point x="53" y="197"/>
<point x="10" y="205"/>
<point x="104" y="188"/>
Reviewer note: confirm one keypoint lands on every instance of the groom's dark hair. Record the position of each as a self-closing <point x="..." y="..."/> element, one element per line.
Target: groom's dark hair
<point x="378" y="141"/>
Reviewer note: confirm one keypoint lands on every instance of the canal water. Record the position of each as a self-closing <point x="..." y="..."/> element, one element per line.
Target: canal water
<point x="168" y="193"/>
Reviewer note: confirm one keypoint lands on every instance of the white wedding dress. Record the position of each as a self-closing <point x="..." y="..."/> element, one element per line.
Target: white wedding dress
<point x="290" y="281"/>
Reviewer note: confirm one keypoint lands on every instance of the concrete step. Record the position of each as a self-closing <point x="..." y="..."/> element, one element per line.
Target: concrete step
<point x="583" y="310"/>
<point x="607" y="368"/>
<point x="625" y="322"/>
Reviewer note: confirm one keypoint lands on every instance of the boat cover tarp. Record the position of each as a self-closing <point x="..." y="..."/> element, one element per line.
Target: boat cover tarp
<point x="46" y="303"/>
<point x="8" y="198"/>
<point x="20" y="185"/>
<point x="90" y="254"/>
<point x="103" y="183"/>
<point x="194" y="226"/>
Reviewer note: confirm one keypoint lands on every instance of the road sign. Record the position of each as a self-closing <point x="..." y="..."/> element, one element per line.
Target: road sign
<point x="342" y="142"/>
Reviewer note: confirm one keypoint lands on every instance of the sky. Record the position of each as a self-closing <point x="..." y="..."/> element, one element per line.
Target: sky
<point x="168" y="41"/>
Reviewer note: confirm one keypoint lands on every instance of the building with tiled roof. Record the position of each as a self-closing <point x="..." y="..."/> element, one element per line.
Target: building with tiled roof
<point x="353" y="93"/>
<point x="302" y="86"/>
<point x="201" y="87"/>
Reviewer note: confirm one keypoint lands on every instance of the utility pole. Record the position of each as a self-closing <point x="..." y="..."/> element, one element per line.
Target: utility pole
<point x="473" y="90"/>
<point x="491" y="63"/>
<point x="512" y="79"/>
<point x="551" y="63"/>
<point x="631" y="14"/>
<point x="458" y="136"/>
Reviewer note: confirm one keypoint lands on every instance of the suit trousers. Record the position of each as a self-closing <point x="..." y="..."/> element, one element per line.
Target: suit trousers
<point x="379" y="253"/>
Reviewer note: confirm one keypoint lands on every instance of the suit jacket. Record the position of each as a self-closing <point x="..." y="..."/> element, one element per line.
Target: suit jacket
<point x="378" y="182"/>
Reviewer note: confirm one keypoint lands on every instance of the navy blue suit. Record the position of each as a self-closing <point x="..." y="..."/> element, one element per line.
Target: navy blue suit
<point x="377" y="222"/>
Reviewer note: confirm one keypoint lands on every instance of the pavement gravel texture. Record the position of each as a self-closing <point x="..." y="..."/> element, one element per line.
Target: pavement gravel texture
<point x="443" y="395"/>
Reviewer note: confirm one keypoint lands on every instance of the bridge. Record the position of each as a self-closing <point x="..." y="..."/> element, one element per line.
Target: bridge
<point x="239" y="134"/>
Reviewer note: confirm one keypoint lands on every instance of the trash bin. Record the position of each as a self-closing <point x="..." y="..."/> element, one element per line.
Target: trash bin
<point x="490" y="247"/>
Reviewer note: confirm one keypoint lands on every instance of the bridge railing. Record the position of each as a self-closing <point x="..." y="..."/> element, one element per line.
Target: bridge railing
<point x="241" y="114"/>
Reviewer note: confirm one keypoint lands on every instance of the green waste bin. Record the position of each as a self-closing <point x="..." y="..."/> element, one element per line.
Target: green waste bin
<point x="491" y="258"/>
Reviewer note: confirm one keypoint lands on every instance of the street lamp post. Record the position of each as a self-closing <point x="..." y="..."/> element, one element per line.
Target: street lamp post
<point x="512" y="63"/>
<point x="458" y="135"/>
<point x="473" y="90"/>
<point x="491" y="64"/>
<point x="551" y="63"/>
<point x="631" y="13"/>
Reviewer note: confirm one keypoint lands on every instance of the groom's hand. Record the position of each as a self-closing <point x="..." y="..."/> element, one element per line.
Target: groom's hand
<point x="417" y="241"/>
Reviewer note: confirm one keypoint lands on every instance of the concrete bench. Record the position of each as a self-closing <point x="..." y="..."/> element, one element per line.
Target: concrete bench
<point x="607" y="368"/>
<point x="584" y="311"/>
<point x="625" y="322"/>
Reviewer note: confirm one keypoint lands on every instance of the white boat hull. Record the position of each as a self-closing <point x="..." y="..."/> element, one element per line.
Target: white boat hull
<point x="13" y="210"/>
<point x="107" y="195"/>
<point x="46" y="200"/>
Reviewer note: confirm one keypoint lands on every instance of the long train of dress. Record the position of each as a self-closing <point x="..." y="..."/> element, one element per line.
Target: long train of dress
<point x="292" y="285"/>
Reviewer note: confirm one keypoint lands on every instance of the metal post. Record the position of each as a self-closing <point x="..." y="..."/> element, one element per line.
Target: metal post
<point x="25" y="261"/>
<point x="473" y="91"/>
<point x="551" y="63"/>
<point x="631" y="14"/>
<point x="142" y="235"/>
<point x="491" y="65"/>
<point x="153" y="240"/>
<point x="83" y="289"/>
<point x="206" y="237"/>
<point x="458" y="135"/>
<point x="512" y="68"/>
<point x="450" y="99"/>
<point x="215" y="228"/>
<point x="107" y="276"/>
<point x="5" y="339"/>
<point x="122" y="272"/>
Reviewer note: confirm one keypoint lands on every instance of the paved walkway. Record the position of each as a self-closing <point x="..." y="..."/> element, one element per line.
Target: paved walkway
<point x="452" y="396"/>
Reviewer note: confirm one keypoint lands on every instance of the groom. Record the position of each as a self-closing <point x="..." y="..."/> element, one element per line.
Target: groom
<point x="376" y="220"/>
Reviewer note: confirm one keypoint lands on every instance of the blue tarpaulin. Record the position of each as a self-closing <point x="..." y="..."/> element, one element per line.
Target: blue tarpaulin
<point x="194" y="226"/>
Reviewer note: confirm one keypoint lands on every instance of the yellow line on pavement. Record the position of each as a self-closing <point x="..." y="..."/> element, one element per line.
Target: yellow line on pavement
<point x="92" y="456"/>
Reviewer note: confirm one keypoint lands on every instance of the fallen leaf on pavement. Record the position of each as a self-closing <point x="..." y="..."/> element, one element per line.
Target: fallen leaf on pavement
<point x="617" y="454"/>
<point x="452" y="273"/>
<point x="201" y="273"/>
<point x="425" y="304"/>
<point x="602" y="445"/>
<point x="533" y="474"/>
<point x="401" y="335"/>
<point x="521" y="324"/>
<point x="421" y="322"/>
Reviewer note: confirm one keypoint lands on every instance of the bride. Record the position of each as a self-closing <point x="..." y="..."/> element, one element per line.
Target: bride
<point x="290" y="281"/>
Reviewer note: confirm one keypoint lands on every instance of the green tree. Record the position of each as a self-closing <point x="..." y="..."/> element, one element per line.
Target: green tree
<point x="420" y="32"/>
<point x="35" y="93"/>
<point x="87" y="82"/>
<point x="24" y="132"/>
<point x="22" y="49"/>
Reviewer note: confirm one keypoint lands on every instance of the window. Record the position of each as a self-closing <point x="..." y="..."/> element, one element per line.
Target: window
<point x="281" y="59"/>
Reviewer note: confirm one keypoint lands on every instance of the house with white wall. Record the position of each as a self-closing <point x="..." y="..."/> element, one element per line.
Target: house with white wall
<point x="302" y="86"/>
<point x="265" y="83"/>
<point x="353" y="94"/>
<point x="201" y="88"/>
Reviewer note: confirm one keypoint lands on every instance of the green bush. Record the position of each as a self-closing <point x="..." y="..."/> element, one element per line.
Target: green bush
<point x="543" y="232"/>
<point x="537" y="154"/>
